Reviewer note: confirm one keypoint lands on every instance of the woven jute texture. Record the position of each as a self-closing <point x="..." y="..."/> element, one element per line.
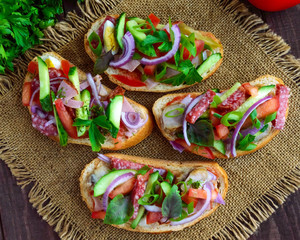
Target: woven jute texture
<point x="258" y="183"/>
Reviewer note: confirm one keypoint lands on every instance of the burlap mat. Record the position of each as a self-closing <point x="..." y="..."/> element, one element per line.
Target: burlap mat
<point x="259" y="182"/>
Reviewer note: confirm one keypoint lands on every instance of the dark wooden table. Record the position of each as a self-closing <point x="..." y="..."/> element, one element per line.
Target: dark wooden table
<point x="19" y="220"/>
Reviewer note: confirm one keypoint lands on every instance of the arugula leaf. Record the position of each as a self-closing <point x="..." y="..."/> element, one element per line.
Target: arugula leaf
<point x="170" y="177"/>
<point x="119" y="210"/>
<point x="172" y="204"/>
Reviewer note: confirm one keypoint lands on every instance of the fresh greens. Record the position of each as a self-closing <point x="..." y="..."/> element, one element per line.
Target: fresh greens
<point x="102" y="62"/>
<point x="170" y="177"/>
<point x="143" y="170"/>
<point x="270" y="117"/>
<point x="148" y="199"/>
<point x="95" y="37"/>
<point x="21" y="25"/>
<point x="119" y="210"/>
<point x="244" y="142"/>
<point x="96" y="137"/>
<point x="172" y="204"/>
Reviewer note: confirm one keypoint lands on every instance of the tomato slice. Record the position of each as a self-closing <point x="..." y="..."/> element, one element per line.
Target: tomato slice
<point x="153" y="217"/>
<point x="65" y="118"/>
<point x="200" y="193"/>
<point x="222" y="131"/>
<point x="129" y="80"/>
<point x="124" y="188"/>
<point x="33" y="67"/>
<point x="188" y="200"/>
<point x="250" y="90"/>
<point x="98" y="215"/>
<point x="214" y="120"/>
<point x="26" y="93"/>
<point x="202" y="151"/>
<point x="66" y="65"/>
<point x="155" y="20"/>
<point x="149" y="70"/>
<point x="118" y="140"/>
<point x="176" y="99"/>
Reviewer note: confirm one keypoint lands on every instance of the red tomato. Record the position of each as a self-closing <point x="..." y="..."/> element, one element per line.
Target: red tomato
<point x="214" y="120"/>
<point x="188" y="200"/>
<point x="66" y="65"/>
<point x="199" y="47"/>
<point x="65" y="118"/>
<point x="118" y="140"/>
<point x="250" y="90"/>
<point x="202" y="151"/>
<point x="274" y="5"/>
<point x="124" y="188"/>
<point x="200" y="193"/>
<point x="153" y="217"/>
<point x="33" y="67"/>
<point x="155" y="20"/>
<point x="26" y="93"/>
<point x="98" y="215"/>
<point x="149" y="70"/>
<point x="129" y="80"/>
<point x="222" y="131"/>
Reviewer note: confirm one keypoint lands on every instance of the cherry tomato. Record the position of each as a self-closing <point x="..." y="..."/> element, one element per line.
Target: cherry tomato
<point x="202" y="151"/>
<point x="153" y="217"/>
<point x="33" y="67"/>
<point x="274" y="5"/>
<point x="26" y="93"/>
<point x="124" y="188"/>
<point x="98" y="215"/>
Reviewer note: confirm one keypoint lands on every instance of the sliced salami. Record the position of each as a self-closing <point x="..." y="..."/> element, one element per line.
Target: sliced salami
<point x="123" y="164"/>
<point x="200" y="107"/>
<point x="233" y="102"/>
<point x="283" y="94"/>
<point x="138" y="191"/>
<point x="40" y="124"/>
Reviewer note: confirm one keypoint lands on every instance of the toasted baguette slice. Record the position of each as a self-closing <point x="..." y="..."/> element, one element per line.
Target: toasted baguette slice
<point x="142" y="133"/>
<point x="180" y="170"/>
<point x="161" y="87"/>
<point x="160" y="104"/>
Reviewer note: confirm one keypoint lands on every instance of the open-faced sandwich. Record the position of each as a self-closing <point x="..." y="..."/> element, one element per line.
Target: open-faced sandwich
<point x="223" y="124"/>
<point x="70" y="106"/>
<point x="144" y="55"/>
<point x="151" y="195"/>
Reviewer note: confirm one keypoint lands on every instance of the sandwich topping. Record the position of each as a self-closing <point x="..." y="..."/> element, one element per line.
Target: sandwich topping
<point x="225" y="121"/>
<point x="138" y="194"/>
<point x="146" y="52"/>
<point x="61" y="105"/>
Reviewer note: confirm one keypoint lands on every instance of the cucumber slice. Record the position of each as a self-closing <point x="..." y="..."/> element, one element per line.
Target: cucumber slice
<point x="209" y="63"/>
<point x="120" y="29"/>
<point x="139" y="36"/>
<point x="86" y="98"/>
<point x="113" y="112"/>
<point x="219" y="145"/>
<point x="230" y="91"/>
<point x="63" y="135"/>
<point x="138" y="20"/>
<point x="45" y="98"/>
<point x="166" y="187"/>
<point x="138" y="218"/>
<point x="105" y="181"/>
<point x="262" y="92"/>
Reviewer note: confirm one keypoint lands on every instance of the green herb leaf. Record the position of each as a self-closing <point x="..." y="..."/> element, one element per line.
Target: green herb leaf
<point x="96" y="138"/>
<point x="172" y="204"/>
<point x="201" y="133"/>
<point x="197" y="184"/>
<point x="143" y="170"/>
<point x="190" y="207"/>
<point x="102" y="121"/>
<point x="119" y="210"/>
<point x="148" y="199"/>
<point x="217" y="115"/>
<point x="189" y="43"/>
<point x="170" y="177"/>
<point x="147" y="50"/>
<point x="102" y="62"/>
<point x="80" y="122"/>
<point x="216" y="101"/>
<point x="253" y="114"/>
<point x="245" y="142"/>
<point x="95" y="37"/>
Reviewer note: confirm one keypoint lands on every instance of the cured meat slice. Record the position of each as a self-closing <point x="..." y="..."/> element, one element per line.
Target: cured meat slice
<point x="283" y="94"/>
<point x="233" y="102"/>
<point x="40" y="124"/>
<point x="123" y="164"/>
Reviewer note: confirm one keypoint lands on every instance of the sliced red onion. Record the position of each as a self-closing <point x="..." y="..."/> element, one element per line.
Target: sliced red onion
<point x="116" y="182"/>
<point x="33" y="95"/>
<point x="132" y="120"/>
<point x="38" y="110"/>
<point x="53" y="88"/>
<point x="167" y="28"/>
<point x="72" y="103"/>
<point x="57" y="78"/>
<point x="177" y="146"/>
<point x="196" y="61"/>
<point x="128" y="51"/>
<point x="68" y="91"/>
<point x="184" y="124"/>
<point x="94" y="89"/>
<point x="204" y="55"/>
<point x="105" y="104"/>
<point x="150" y="83"/>
<point x="241" y="122"/>
<point x="211" y="176"/>
<point x="152" y="208"/>
<point x="55" y="82"/>
<point x="126" y="107"/>
<point x="160" y="171"/>
<point x="219" y="199"/>
<point x="84" y="85"/>
<point x="98" y="205"/>
<point x="170" y="72"/>
<point x="190" y="218"/>
<point x="187" y="100"/>
<point x="104" y="158"/>
<point x="163" y="220"/>
<point x="131" y="65"/>
<point x="252" y="131"/>
<point x="170" y="54"/>
<point x="52" y="121"/>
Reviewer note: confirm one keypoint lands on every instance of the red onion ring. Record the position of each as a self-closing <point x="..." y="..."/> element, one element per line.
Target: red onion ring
<point x="33" y="95"/>
<point x="117" y="181"/>
<point x="104" y="158"/>
<point x="241" y="122"/>
<point x="94" y="89"/>
<point x="170" y="54"/>
<point x="38" y="110"/>
<point x="133" y="123"/>
<point x="128" y="51"/>
<point x="177" y="146"/>
<point x="219" y="199"/>
<point x="160" y="171"/>
<point x="152" y="208"/>
<point x="190" y="218"/>
<point x="184" y="124"/>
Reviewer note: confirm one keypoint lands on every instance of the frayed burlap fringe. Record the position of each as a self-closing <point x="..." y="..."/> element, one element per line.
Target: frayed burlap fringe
<point x="74" y="25"/>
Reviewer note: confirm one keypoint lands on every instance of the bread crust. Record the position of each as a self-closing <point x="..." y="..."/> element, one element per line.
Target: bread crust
<point x="161" y="102"/>
<point x="138" y="137"/>
<point x="179" y="169"/>
<point x="161" y="87"/>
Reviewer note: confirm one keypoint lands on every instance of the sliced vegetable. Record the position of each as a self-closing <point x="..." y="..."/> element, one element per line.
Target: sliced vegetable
<point x="132" y="120"/>
<point x="250" y="90"/>
<point x="185" y="198"/>
<point x="86" y="98"/>
<point x="134" y="28"/>
<point x="66" y="65"/>
<point x="98" y="215"/>
<point x="220" y="146"/>
<point x="26" y="94"/>
<point x="222" y="131"/>
<point x="153" y="217"/>
<point x="154" y="19"/>
<point x="201" y="193"/>
<point x="208" y="63"/>
<point x="33" y="67"/>
<point x="129" y="80"/>
<point x="45" y="98"/>
<point x="120" y="26"/>
<point x="113" y="112"/>
<point x="95" y="43"/>
<point x="150" y="70"/>
<point x="230" y="91"/>
<point x="202" y="151"/>
<point x="172" y="204"/>
<point x="177" y="146"/>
